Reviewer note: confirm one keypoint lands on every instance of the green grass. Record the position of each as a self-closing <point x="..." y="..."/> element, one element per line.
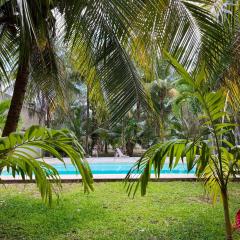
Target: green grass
<point x="175" y="210"/>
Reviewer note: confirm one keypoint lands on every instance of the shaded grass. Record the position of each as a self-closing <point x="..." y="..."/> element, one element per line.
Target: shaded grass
<point x="170" y="211"/>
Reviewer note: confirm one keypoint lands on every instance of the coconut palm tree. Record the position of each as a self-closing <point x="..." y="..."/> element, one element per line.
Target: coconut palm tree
<point x="102" y="37"/>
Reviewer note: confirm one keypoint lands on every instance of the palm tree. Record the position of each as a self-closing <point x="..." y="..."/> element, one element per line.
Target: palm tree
<point x="102" y="37"/>
<point x="28" y="28"/>
<point x="19" y="155"/>
<point x="214" y="158"/>
<point x="213" y="151"/>
<point x="160" y="92"/>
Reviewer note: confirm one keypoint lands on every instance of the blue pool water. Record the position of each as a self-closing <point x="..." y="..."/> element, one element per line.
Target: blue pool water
<point x="113" y="168"/>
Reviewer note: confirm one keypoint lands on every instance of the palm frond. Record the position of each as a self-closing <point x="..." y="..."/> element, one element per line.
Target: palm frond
<point x="4" y="106"/>
<point x="210" y="152"/>
<point x="17" y="153"/>
<point x="100" y="34"/>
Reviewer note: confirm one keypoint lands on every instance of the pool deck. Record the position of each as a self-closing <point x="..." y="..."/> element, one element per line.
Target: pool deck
<point x="105" y="177"/>
<point x="98" y="160"/>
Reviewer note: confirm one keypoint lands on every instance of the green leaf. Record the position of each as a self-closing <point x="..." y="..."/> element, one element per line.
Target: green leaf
<point x="18" y="156"/>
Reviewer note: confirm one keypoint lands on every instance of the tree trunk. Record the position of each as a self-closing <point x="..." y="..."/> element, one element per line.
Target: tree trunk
<point x="87" y="122"/>
<point x="138" y="110"/>
<point x="94" y="136"/>
<point x="106" y="147"/>
<point x="129" y="148"/>
<point x="48" y="116"/>
<point x="161" y="127"/>
<point x="228" y="225"/>
<point x="19" y="91"/>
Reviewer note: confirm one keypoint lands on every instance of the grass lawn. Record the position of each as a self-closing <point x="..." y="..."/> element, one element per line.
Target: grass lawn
<point x="175" y="210"/>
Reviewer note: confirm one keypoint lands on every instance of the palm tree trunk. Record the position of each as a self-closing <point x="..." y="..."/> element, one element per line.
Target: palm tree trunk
<point x="87" y="122"/>
<point x="129" y="148"/>
<point x="138" y="110"/>
<point x="48" y="114"/>
<point x="228" y="225"/>
<point x="19" y="91"/>
<point x="106" y="147"/>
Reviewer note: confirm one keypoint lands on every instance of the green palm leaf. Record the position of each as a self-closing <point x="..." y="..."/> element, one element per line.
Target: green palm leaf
<point x="17" y="153"/>
<point x="209" y="152"/>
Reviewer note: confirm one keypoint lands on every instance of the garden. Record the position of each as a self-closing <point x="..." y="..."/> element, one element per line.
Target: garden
<point x="120" y="119"/>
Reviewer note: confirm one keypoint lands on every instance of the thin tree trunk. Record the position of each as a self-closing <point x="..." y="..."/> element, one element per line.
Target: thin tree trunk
<point x="48" y="117"/>
<point x="162" y="117"/>
<point x="123" y="136"/>
<point x="19" y="91"/>
<point x="138" y="110"/>
<point x="228" y="225"/>
<point x="87" y="123"/>
<point x="129" y="148"/>
<point x="106" y="147"/>
<point x="94" y="136"/>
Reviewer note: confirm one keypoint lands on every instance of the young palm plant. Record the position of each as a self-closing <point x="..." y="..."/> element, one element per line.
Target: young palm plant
<point x="214" y="158"/>
<point x="19" y="152"/>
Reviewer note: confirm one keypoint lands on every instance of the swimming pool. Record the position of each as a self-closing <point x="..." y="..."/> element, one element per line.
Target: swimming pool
<point x="112" y="168"/>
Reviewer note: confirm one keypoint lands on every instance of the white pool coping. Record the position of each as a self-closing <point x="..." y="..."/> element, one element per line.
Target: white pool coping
<point x="97" y="160"/>
<point x="111" y="176"/>
<point x="107" y="178"/>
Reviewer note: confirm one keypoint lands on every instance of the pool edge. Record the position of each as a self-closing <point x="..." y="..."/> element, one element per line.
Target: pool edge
<point x="114" y="178"/>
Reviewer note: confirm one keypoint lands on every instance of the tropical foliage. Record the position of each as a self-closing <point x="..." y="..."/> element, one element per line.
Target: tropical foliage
<point x="102" y="39"/>
<point x="20" y="155"/>
<point x="213" y="152"/>
<point x="4" y="106"/>
<point x="120" y="73"/>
